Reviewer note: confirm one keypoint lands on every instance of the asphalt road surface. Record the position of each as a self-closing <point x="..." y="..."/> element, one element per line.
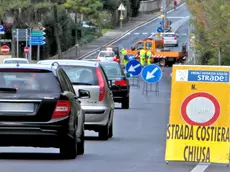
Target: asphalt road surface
<point x="139" y="134"/>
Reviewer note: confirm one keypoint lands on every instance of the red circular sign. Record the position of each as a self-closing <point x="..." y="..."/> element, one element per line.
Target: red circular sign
<point x="26" y="50"/>
<point x="5" y="49"/>
<point x="209" y="98"/>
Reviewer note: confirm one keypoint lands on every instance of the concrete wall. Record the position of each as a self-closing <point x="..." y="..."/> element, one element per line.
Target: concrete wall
<point x="151" y="5"/>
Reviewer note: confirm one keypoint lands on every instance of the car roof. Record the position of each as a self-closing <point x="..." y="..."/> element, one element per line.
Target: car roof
<point x="109" y="62"/>
<point x="16" y="59"/>
<point x="106" y="51"/>
<point x="167" y="33"/>
<point x="71" y="62"/>
<point x="28" y="66"/>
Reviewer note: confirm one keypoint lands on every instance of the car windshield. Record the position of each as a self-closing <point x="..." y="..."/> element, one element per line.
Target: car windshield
<point x="106" y="54"/>
<point x="112" y="70"/>
<point x="81" y="75"/>
<point x="29" y="81"/>
<point x="16" y="61"/>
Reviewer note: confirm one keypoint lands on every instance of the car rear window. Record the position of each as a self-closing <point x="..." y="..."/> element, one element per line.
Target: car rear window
<point x="106" y="54"/>
<point x="34" y="81"/>
<point x="15" y="62"/>
<point x="81" y="75"/>
<point x="169" y="35"/>
<point x="112" y="70"/>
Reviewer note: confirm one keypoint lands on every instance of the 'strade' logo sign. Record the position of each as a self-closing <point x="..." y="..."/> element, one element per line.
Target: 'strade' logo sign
<point x="199" y="127"/>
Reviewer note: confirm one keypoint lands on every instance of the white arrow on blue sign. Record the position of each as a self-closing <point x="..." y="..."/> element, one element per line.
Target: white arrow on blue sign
<point x="133" y="67"/>
<point x="37" y="42"/>
<point x="162" y="22"/>
<point x="2" y="29"/>
<point x="37" y="38"/>
<point x="151" y="73"/>
<point x="159" y="29"/>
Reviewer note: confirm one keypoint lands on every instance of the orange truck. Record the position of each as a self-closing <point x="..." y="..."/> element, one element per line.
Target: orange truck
<point x="160" y="54"/>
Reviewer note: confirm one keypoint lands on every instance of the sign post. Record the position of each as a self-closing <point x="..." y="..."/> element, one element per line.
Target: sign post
<point x="121" y="8"/>
<point x="17" y="33"/>
<point x="37" y="38"/>
<point x="198" y="129"/>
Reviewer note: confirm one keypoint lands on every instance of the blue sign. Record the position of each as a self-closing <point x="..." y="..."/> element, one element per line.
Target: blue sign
<point x="133" y="67"/>
<point x="131" y="57"/>
<point x="37" y="38"/>
<point x="159" y="29"/>
<point x="37" y="42"/>
<point x="208" y="76"/>
<point x="162" y="22"/>
<point x="2" y="29"/>
<point x="151" y="73"/>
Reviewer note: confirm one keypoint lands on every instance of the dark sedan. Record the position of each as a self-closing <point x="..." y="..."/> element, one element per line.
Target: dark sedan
<point x="119" y="83"/>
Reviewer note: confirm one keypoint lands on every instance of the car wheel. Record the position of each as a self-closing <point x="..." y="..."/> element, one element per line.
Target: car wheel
<point x="81" y="145"/>
<point x="104" y="133"/>
<point x="111" y="130"/>
<point x="125" y="103"/>
<point x="69" y="148"/>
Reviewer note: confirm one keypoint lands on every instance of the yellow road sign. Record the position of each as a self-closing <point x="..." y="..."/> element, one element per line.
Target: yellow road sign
<point x="198" y="129"/>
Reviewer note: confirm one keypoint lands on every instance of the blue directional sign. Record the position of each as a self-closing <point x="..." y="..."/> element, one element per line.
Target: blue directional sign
<point x="208" y="76"/>
<point x="37" y="38"/>
<point x="151" y="73"/>
<point x="2" y="29"/>
<point x="37" y="42"/>
<point x="159" y="29"/>
<point x="133" y="67"/>
<point x="162" y="22"/>
<point x="131" y="57"/>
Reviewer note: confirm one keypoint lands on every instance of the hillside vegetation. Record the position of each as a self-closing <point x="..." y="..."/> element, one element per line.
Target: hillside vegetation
<point x="212" y="30"/>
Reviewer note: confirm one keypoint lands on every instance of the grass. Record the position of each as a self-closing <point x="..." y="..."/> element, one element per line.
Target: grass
<point x="103" y="31"/>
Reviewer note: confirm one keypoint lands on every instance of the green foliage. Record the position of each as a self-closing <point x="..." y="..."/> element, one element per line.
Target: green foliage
<point x="212" y="23"/>
<point x="90" y="8"/>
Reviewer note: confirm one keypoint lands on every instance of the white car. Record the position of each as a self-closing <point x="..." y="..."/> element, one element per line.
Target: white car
<point x="15" y="61"/>
<point x="106" y="56"/>
<point x="170" y="38"/>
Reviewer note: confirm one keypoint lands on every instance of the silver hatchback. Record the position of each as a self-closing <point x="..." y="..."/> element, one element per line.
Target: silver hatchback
<point x="99" y="108"/>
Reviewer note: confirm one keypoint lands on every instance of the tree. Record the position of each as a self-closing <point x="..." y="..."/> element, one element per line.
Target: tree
<point x="212" y="25"/>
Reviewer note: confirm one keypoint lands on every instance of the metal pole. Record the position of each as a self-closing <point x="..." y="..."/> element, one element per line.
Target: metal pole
<point x="17" y="42"/>
<point x="121" y="18"/>
<point x="26" y="42"/>
<point x="164" y="13"/>
<point x="30" y="51"/>
<point x="38" y="53"/>
<point x="219" y="56"/>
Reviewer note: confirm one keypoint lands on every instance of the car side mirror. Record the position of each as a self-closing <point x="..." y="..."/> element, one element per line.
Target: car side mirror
<point x="84" y="94"/>
<point x="132" y="48"/>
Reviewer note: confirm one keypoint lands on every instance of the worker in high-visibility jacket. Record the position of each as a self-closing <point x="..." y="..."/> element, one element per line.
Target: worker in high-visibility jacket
<point x="142" y="57"/>
<point x="124" y="56"/>
<point x="149" y="57"/>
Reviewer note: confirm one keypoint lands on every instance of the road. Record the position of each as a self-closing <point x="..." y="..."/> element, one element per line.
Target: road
<point x="139" y="133"/>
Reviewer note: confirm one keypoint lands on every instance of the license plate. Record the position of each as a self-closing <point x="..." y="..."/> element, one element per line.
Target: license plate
<point x="16" y="107"/>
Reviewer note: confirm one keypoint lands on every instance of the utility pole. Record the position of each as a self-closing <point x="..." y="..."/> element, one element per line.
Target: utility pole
<point x="164" y="13"/>
<point x="219" y="56"/>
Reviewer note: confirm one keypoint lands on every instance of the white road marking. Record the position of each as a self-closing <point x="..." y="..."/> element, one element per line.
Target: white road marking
<point x="200" y="167"/>
<point x="125" y="34"/>
<point x="144" y="33"/>
<point x="136" y="33"/>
